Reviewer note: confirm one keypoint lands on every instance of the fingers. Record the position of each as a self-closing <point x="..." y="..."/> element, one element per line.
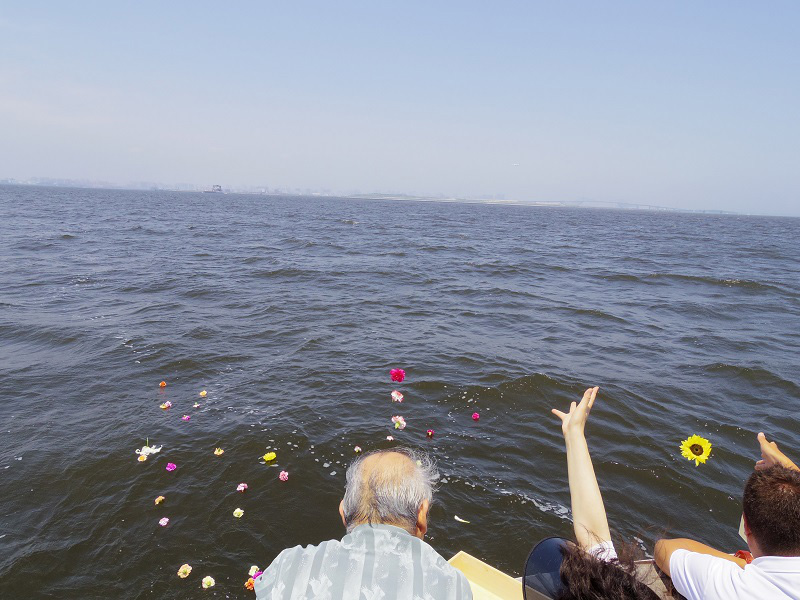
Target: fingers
<point x="592" y="396"/>
<point x="559" y="414"/>
<point x="766" y="447"/>
<point x="761" y="465"/>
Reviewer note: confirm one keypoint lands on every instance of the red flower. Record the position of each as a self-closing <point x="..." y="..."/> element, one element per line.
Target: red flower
<point x="475" y="416"/>
<point x="398" y="375"/>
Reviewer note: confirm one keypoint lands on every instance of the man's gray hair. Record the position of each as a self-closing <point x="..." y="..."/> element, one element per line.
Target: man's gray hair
<point x="390" y="495"/>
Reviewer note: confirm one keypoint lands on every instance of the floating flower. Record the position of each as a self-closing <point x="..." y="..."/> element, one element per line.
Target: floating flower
<point x="184" y="571"/>
<point x="166" y="405"/>
<point x="390" y="438"/>
<point x="241" y="487"/>
<point x="238" y="513"/>
<point x="250" y="584"/>
<point x="257" y="574"/>
<point x="252" y="572"/>
<point x="196" y="405"/>
<point x="398" y="375"/>
<point x="164" y="521"/>
<point x="475" y="416"/>
<point x="185" y="418"/>
<point x="269" y="456"/>
<point x="696" y="448"/>
<point x="163" y="384"/>
<point x="399" y="422"/>
<point x="357" y="449"/>
<point x="430" y="433"/>
<point x="171" y="466"/>
<point x="142" y="457"/>
<point x="460" y="520"/>
<point x="147" y="450"/>
<point x="397" y="396"/>
<point x="203" y="394"/>
<point x="159" y="500"/>
<point x="218" y="451"/>
<point x="284" y="475"/>
<point x="207" y="582"/>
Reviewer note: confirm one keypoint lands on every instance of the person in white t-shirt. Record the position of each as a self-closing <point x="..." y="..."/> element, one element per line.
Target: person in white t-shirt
<point x="771" y="508"/>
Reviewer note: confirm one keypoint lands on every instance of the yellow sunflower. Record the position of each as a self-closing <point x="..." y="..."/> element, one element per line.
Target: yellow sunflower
<point x="696" y="448"/>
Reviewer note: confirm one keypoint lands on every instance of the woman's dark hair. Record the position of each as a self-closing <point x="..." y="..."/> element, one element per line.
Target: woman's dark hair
<point x="771" y="505"/>
<point x="586" y="577"/>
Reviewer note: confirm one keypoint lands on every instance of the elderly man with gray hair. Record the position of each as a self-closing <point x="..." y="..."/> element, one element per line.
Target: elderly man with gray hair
<point x="383" y="556"/>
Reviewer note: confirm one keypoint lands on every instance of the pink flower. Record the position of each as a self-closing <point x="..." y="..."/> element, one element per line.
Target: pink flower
<point x="171" y="466"/>
<point x="399" y="422"/>
<point x="475" y="416"/>
<point x="430" y="433"/>
<point x="284" y="475"/>
<point x="357" y="449"/>
<point x="398" y="375"/>
<point x="390" y="438"/>
<point x="397" y="396"/>
<point x="257" y="574"/>
<point x="241" y="487"/>
<point x="185" y="418"/>
<point x="163" y="522"/>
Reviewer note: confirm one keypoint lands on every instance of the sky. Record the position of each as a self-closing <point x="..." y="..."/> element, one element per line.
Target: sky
<point x="682" y="104"/>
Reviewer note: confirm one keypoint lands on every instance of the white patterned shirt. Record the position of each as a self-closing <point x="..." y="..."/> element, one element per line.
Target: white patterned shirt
<point x="373" y="562"/>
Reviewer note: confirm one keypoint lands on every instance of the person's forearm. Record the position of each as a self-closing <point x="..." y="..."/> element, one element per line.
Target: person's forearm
<point x="588" y="511"/>
<point x="665" y="548"/>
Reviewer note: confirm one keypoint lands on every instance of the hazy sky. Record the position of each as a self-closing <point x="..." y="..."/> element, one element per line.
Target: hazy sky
<point x="685" y="104"/>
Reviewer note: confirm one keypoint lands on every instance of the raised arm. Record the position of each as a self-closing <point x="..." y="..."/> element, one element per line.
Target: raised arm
<point x="588" y="511"/>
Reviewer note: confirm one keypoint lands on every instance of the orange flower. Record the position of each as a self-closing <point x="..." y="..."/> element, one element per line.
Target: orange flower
<point x="250" y="584"/>
<point x="162" y="384"/>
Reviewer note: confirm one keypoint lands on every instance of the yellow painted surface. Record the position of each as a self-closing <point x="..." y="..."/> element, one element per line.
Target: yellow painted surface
<point x="487" y="583"/>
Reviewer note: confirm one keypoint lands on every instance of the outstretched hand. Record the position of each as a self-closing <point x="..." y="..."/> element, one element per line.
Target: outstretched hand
<point x="771" y="456"/>
<point x="575" y="420"/>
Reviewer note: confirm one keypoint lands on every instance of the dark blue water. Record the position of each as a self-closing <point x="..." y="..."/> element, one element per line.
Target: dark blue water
<point x="291" y="311"/>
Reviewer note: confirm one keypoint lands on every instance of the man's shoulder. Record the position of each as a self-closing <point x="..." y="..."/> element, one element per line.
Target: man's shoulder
<point x="290" y="553"/>
<point x="697" y="575"/>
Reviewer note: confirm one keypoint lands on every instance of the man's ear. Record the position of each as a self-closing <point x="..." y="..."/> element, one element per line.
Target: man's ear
<point x="341" y="513"/>
<point x="422" y="519"/>
<point x="747" y="530"/>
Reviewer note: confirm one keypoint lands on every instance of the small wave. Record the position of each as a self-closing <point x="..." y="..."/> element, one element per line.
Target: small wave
<point x="68" y="236"/>
<point x="755" y="375"/>
<point x="348" y="221"/>
<point x="283" y="272"/>
<point x="746" y="284"/>
<point x="594" y="313"/>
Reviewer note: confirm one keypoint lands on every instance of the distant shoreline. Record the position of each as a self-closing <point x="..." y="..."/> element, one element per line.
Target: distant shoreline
<point x="597" y="204"/>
